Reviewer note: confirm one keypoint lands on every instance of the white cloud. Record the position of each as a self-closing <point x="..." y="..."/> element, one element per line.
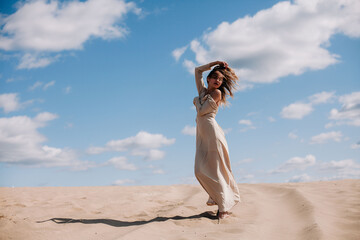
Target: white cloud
<point x="123" y="182"/>
<point x="294" y="164"/>
<point x="40" y="27"/>
<point x="293" y="135"/>
<point x="121" y="163"/>
<point x="152" y="154"/>
<point x="300" y="178"/>
<point x="343" y="169"/>
<point x="349" y="114"/>
<point x="324" y="137"/>
<point x="95" y="150"/>
<point x="9" y="102"/>
<point x="141" y="140"/>
<point x="323" y="97"/>
<point x="299" y="110"/>
<point x="21" y="143"/>
<point x="249" y="125"/>
<point x="189" y="130"/>
<point x="289" y="38"/>
<point x="245" y="122"/>
<point x="39" y="84"/>
<point x="177" y="53"/>
<point x="36" y="85"/>
<point x="189" y="65"/>
<point x="296" y="110"/>
<point x="35" y="60"/>
<point x="143" y="144"/>
<point x="42" y="118"/>
<point x="49" y="84"/>
<point x="339" y="165"/>
<point x="155" y="154"/>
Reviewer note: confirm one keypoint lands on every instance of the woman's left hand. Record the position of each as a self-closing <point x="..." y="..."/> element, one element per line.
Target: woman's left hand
<point x="223" y="64"/>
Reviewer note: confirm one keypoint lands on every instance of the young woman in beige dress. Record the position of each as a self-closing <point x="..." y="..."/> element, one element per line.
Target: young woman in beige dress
<point x="212" y="163"/>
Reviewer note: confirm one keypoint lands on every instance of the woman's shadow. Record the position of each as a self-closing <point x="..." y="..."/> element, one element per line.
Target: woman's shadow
<point x="118" y="223"/>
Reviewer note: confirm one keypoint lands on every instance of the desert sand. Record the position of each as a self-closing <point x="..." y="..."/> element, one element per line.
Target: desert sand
<point x="312" y="210"/>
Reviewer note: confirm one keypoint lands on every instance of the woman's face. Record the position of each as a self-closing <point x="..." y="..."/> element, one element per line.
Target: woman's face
<point x="215" y="80"/>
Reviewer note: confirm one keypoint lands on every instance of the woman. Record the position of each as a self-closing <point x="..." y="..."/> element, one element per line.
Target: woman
<point x="212" y="164"/>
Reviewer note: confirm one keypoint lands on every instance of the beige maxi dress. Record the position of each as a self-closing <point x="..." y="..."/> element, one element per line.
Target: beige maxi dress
<point x="212" y="163"/>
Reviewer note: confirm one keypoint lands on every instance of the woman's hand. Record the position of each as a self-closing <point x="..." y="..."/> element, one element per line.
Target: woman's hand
<point x="223" y="64"/>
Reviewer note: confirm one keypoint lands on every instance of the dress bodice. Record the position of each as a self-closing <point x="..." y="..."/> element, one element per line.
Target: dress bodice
<point x="205" y="104"/>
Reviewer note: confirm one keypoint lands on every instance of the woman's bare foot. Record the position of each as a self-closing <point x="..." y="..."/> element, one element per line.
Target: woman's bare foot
<point x="211" y="202"/>
<point x="223" y="215"/>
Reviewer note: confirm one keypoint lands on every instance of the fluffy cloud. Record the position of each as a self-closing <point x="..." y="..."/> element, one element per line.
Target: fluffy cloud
<point x="248" y="123"/>
<point x="36" y="60"/>
<point x="295" y="163"/>
<point x="287" y="39"/>
<point x="349" y="114"/>
<point x="343" y="169"/>
<point x="296" y="110"/>
<point x="299" y="110"/>
<point x="41" y="26"/>
<point x="177" y="53"/>
<point x="21" y="143"/>
<point x="189" y="130"/>
<point x="9" y="102"/>
<point x="323" y="97"/>
<point x="143" y="144"/>
<point x="121" y="163"/>
<point x="151" y="154"/>
<point x="189" y="65"/>
<point x="245" y="122"/>
<point x="324" y="137"/>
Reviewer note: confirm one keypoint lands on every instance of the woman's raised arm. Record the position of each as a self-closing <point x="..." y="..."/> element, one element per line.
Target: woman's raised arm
<point x="199" y="70"/>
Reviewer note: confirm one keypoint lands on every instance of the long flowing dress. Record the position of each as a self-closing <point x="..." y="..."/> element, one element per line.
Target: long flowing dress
<point x="212" y="163"/>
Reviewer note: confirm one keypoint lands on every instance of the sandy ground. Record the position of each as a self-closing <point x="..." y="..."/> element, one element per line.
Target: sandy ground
<point x="313" y="210"/>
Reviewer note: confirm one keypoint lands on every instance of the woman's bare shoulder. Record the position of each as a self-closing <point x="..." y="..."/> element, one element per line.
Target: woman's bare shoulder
<point x="216" y="95"/>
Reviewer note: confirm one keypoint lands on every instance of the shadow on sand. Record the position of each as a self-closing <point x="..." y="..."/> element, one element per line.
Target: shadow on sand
<point x="117" y="223"/>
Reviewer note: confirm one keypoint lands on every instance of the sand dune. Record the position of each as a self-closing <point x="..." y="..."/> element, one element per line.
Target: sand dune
<point x="313" y="210"/>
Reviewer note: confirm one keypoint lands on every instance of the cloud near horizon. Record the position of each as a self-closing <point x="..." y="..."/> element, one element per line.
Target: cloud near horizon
<point x="299" y="110"/>
<point x="295" y="163"/>
<point x="289" y="38"/>
<point x="39" y="28"/>
<point x="22" y="144"/>
<point x="142" y="144"/>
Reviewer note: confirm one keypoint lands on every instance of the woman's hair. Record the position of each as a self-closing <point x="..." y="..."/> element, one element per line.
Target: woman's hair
<point x="229" y="82"/>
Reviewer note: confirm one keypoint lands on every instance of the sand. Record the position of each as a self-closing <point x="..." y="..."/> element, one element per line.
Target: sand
<point x="313" y="210"/>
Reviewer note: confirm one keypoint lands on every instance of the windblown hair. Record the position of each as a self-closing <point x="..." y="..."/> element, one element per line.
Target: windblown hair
<point x="229" y="83"/>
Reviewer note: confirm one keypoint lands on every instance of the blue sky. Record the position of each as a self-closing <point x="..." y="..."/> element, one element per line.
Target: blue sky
<point x="99" y="93"/>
